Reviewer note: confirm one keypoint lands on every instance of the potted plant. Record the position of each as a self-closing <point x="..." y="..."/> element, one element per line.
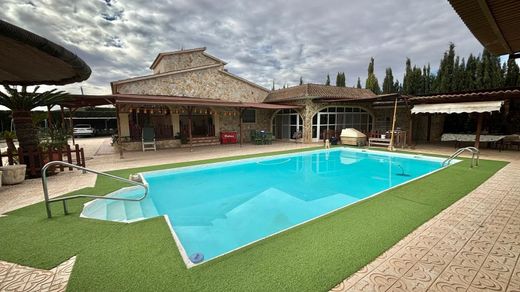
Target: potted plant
<point x="9" y="137"/>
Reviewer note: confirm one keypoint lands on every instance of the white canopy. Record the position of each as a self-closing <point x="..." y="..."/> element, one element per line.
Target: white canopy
<point x="457" y="108"/>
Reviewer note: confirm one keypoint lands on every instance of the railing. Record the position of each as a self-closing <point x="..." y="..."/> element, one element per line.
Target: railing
<point x="473" y="150"/>
<point x="64" y="199"/>
<point x="35" y="157"/>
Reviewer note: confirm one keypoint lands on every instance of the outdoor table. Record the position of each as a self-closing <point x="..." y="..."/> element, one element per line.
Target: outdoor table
<point x="462" y="138"/>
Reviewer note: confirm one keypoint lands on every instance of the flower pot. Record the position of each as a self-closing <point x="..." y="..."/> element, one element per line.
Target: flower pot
<point x="13" y="174"/>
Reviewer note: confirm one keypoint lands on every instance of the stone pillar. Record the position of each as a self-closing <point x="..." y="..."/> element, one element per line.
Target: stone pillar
<point x="176" y="124"/>
<point x="125" y="127"/>
<point x="307" y="114"/>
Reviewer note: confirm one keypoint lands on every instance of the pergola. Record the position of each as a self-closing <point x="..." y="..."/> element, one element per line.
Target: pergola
<point x="480" y="102"/>
<point x="118" y="100"/>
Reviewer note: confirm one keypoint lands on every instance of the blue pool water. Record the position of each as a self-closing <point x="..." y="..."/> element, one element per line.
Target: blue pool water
<point x="217" y="208"/>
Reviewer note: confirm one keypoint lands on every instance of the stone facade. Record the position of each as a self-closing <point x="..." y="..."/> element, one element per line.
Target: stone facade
<point x="184" y="60"/>
<point x="206" y="83"/>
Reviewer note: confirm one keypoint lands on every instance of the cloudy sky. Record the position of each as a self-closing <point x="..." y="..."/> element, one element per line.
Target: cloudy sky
<point x="260" y="40"/>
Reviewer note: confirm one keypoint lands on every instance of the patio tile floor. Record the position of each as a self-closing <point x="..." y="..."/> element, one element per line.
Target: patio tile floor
<point x="473" y="245"/>
<point x="14" y="277"/>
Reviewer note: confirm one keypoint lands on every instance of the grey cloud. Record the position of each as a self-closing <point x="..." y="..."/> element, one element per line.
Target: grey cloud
<point x="262" y="41"/>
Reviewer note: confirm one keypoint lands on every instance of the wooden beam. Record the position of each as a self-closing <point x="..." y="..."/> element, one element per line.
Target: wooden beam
<point x="479" y="129"/>
<point x="71" y="125"/>
<point x="391" y="146"/>
<point x="493" y="24"/>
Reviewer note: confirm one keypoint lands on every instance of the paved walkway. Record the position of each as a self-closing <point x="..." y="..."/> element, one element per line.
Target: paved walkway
<point x="14" y="277"/>
<point x="474" y="245"/>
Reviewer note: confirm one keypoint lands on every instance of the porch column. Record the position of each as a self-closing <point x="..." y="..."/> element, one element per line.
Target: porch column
<point x="190" y="112"/>
<point x="479" y="129"/>
<point x="119" y="134"/>
<point x="240" y="112"/>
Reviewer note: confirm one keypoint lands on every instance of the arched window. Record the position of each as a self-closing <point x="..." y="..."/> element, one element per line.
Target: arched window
<point x="338" y="118"/>
<point x="286" y="123"/>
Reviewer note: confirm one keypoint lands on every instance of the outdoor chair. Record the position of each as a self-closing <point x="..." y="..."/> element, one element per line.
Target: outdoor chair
<point x="148" y="138"/>
<point x="267" y="138"/>
<point x="256" y="137"/>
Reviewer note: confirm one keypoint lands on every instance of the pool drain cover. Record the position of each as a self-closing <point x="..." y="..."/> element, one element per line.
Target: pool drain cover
<point x="196" y="257"/>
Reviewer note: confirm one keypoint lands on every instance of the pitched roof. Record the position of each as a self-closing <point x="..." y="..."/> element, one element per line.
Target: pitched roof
<point x="312" y="91"/>
<point x="477" y="95"/>
<point x="203" y="49"/>
<point x="29" y="59"/>
<point x="494" y="23"/>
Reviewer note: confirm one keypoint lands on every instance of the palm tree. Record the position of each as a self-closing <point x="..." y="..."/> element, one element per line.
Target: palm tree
<point x="21" y="103"/>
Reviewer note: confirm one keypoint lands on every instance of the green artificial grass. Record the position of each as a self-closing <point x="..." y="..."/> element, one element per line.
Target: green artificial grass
<point x="314" y="256"/>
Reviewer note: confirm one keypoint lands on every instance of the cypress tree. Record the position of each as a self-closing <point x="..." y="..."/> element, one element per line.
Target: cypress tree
<point x="444" y="80"/>
<point x="372" y="83"/>
<point x="512" y="77"/>
<point x="358" y="85"/>
<point x="388" y="82"/>
<point x="301" y="80"/>
<point x="327" y="82"/>
<point x="273" y="85"/>
<point x="340" y="79"/>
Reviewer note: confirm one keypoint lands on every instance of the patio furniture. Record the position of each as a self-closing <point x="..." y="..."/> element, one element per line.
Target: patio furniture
<point x="148" y="139"/>
<point x="459" y="139"/>
<point x="509" y="141"/>
<point x="267" y="138"/>
<point x="256" y="137"/>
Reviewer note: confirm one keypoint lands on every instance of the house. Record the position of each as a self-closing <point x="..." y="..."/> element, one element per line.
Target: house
<point x="194" y="85"/>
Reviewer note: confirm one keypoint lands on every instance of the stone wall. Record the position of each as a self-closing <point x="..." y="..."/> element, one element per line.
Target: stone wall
<point x="183" y="61"/>
<point x="232" y="122"/>
<point x="206" y="83"/>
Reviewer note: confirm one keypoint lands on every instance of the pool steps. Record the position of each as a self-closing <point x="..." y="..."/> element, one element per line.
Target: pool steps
<point x="121" y="211"/>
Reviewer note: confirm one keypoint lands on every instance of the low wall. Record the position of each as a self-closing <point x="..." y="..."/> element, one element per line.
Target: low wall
<point x="162" y="144"/>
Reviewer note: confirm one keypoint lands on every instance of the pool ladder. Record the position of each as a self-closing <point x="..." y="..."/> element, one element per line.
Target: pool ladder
<point x="64" y="199"/>
<point x="473" y="150"/>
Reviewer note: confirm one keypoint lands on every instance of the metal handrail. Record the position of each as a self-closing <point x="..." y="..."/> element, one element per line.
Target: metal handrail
<point x="64" y="199"/>
<point x="473" y="150"/>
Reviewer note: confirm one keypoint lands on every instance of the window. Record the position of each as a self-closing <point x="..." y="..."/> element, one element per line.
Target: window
<point x="286" y="123"/>
<point x="249" y="116"/>
<point x="338" y="118"/>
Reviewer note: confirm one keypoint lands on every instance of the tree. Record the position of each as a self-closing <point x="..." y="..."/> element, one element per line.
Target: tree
<point x="512" y="77"/>
<point x="301" y="80"/>
<point x="21" y="103"/>
<point x="340" y="79"/>
<point x="444" y="80"/>
<point x="388" y="82"/>
<point x="358" y="85"/>
<point x="273" y="85"/>
<point x="327" y="82"/>
<point x="372" y="83"/>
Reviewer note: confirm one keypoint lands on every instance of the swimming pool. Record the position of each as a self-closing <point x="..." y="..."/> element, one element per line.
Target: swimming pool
<point x="214" y="209"/>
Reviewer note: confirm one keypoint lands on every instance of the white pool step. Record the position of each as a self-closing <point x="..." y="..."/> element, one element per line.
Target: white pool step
<point x="120" y="211"/>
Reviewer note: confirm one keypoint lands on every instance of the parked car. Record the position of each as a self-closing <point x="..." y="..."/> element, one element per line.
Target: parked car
<point x="83" y="130"/>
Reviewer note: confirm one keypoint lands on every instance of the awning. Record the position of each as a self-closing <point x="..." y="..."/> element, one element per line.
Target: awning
<point x="457" y="108"/>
